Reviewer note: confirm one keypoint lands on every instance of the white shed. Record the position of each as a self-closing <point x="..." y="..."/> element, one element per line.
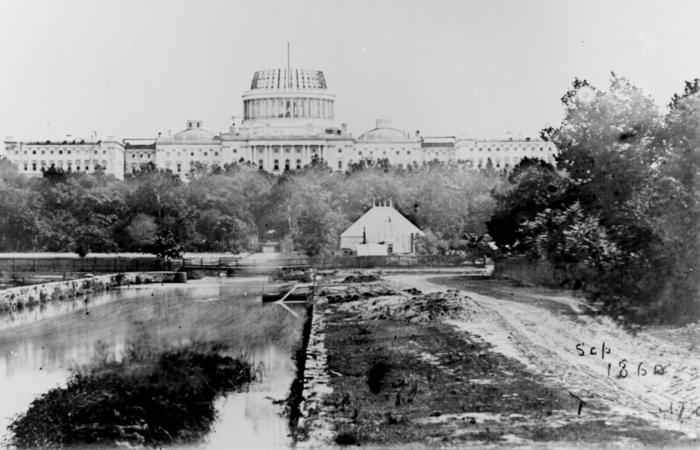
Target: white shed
<point x="381" y="230"/>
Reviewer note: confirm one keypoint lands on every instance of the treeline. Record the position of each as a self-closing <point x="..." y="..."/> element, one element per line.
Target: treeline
<point x="620" y="214"/>
<point x="233" y="209"/>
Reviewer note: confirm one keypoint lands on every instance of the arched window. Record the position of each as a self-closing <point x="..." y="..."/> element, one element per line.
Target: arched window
<point x="286" y="164"/>
<point x="260" y="164"/>
<point x="277" y="165"/>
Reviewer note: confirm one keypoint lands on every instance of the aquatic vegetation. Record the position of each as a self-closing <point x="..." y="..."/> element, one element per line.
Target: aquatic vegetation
<point x="150" y="397"/>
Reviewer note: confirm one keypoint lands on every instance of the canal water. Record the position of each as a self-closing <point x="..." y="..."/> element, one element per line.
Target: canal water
<point x="38" y="348"/>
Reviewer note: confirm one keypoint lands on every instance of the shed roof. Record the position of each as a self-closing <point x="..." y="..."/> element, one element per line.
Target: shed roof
<point x="382" y="217"/>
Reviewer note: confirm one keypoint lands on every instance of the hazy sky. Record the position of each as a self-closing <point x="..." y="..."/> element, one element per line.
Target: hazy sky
<point x="480" y="68"/>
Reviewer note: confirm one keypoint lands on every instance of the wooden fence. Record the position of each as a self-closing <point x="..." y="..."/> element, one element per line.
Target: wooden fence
<point x="106" y="264"/>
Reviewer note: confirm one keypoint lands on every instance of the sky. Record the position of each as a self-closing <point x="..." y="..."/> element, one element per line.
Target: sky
<point x="483" y="69"/>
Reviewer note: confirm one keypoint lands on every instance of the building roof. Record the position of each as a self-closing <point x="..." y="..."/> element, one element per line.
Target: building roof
<point x="193" y="132"/>
<point x="382" y="219"/>
<point x="384" y="132"/>
<point x="130" y="146"/>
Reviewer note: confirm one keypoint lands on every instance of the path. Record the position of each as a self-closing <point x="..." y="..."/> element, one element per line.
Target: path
<point x="543" y="327"/>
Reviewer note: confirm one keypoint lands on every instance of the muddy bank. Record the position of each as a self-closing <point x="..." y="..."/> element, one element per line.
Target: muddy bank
<point x="400" y="374"/>
<point x="18" y="298"/>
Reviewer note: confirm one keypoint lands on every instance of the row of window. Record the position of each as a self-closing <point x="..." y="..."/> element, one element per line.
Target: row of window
<point x="68" y="166"/>
<point x="204" y="152"/>
<point x="287" y="149"/>
<point x="498" y="149"/>
<point x="149" y="155"/>
<point x="68" y="152"/>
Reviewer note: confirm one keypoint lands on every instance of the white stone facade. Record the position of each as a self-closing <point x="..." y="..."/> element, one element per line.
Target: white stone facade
<point x="31" y="158"/>
<point x="288" y="122"/>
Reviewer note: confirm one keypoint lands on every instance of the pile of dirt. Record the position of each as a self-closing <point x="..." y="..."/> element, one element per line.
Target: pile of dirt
<point x="420" y="308"/>
<point x="362" y="278"/>
<point x="352" y="294"/>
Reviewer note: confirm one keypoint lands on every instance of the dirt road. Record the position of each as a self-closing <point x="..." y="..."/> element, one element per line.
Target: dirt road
<point x="653" y="374"/>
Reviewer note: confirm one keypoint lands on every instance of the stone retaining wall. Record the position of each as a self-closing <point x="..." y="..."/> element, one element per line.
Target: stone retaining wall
<point x="317" y="427"/>
<point x="16" y="298"/>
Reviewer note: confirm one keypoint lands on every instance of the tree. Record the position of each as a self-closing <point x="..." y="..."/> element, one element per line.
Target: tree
<point x="166" y="247"/>
<point x="569" y="236"/>
<point x="318" y="229"/>
<point x="534" y="186"/>
<point x="605" y="145"/>
<point x="142" y="231"/>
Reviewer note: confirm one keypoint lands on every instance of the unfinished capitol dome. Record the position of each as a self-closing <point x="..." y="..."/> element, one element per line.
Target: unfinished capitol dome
<point x="288" y="102"/>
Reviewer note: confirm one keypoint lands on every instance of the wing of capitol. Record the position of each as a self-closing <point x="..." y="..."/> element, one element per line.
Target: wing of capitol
<point x="288" y="123"/>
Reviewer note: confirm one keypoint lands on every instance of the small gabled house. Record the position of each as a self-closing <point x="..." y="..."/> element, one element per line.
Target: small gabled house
<point x="380" y="231"/>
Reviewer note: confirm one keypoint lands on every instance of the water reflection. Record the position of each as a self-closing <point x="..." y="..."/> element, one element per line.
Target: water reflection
<point x="39" y="347"/>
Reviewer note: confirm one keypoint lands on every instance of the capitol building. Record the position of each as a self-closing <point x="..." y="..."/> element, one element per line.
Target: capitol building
<point x="288" y="123"/>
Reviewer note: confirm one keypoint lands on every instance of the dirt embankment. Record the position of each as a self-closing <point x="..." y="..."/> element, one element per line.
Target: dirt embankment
<point x="404" y="369"/>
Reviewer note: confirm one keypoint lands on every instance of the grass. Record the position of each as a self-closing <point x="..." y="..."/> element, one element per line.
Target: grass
<point x="149" y="398"/>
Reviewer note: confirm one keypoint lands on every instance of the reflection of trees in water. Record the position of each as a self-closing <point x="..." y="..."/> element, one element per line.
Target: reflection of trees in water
<point x="170" y="317"/>
<point x="262" y="326"/>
